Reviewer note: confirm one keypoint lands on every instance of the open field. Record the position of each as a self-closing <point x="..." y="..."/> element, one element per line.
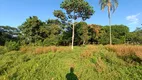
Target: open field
<point x="118" y="62"/>
<point x="70" y="40"/>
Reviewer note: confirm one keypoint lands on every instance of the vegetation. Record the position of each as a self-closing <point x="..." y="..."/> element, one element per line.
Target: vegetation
<point x="41" y="49"/>
<point x="75" y="9"/>
<point x="61" y="32"/>
<point x="12" y="46"/>
<point x="53" y="32"/>
<point x="89" y="62"/>
<point x="8" y="33"/>
<point x="112" y="5"/>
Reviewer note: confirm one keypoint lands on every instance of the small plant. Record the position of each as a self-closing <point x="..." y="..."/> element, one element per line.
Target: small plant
<point x="12" y="46"/>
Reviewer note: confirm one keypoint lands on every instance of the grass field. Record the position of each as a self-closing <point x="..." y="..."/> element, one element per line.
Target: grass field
<point x="118" y="62"/>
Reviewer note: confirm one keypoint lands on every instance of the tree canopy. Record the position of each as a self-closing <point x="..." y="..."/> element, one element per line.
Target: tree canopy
<point x="74" y="9"/>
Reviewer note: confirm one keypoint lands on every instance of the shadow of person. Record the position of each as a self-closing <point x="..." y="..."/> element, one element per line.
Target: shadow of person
<point x="71" y="75"/>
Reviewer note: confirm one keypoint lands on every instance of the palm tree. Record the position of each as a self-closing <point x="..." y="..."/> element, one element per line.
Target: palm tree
<point x="111" y="5"/>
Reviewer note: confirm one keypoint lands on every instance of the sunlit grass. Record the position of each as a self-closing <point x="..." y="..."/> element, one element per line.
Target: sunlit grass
<point x="53" y="63"/>
<point x="44" y="50"/>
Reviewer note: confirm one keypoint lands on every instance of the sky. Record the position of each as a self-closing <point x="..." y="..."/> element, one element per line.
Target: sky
<point x="15" y="12"/>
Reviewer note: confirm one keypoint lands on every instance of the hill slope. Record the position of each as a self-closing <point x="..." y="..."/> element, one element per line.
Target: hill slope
<point x="54" y="63"/>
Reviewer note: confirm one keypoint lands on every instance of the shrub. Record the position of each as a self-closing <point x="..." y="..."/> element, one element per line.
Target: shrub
<point x="51" y="41"/>
<point x="12" y="46"/>
<point x="2" y="50"/>
<point x="38" y="43"/>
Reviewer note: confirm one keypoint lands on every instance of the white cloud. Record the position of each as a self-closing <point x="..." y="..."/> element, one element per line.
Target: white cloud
<point x="133" y="19"/>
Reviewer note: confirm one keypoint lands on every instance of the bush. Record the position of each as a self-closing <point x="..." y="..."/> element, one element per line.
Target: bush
<point x="38" y="43"/>
<point x="2" y="50"/>
<point x="12" y="46"/>
<point x="51" y="41"/>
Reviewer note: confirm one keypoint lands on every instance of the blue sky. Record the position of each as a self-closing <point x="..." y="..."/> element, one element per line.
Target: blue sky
<point x="15" y="12"/>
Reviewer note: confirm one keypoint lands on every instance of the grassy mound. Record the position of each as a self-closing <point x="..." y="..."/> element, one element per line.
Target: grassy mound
<point x="55" y="63"/>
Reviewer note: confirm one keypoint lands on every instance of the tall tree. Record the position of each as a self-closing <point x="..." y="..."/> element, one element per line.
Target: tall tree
<point x="94" y="33"/>
<point x="111" y="5"/>
<point x="30" y="29"/>
<point x="81" y="30"/>
<point x="119" y="34"/>
<point x="135" y="37"/>
<point x="77" y="9"/>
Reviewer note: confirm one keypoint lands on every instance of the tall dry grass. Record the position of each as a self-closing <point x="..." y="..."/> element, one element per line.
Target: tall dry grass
<point x="125" y="50"/>
<point x="88" y="51"/>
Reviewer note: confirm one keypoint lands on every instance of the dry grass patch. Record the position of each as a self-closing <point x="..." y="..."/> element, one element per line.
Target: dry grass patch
<point x="64" y="49"/>
<point x="26" y="49"/>
<point x="126" y="50"/>
<point x="88" y="51"/>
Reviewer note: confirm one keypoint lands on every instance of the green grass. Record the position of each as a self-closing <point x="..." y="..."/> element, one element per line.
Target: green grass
<point x="103" y="64"/>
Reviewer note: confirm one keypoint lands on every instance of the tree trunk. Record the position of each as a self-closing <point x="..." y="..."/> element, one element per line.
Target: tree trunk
<point x="109" y="16"/>
<point x="110" y="31"/>
<point x="83" y="42"/>
<point x="73" y="34"/>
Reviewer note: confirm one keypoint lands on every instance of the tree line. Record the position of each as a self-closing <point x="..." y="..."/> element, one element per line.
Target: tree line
<point x="66" y="31"/>
<point x="53" y="32"/>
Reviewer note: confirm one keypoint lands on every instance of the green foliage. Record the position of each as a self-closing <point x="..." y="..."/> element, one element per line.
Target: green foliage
<point x="30" y="30"/>
<point x="2" y="50"/>
<point x="51" y="41"/>
<point x="135" y="37"/>
<point x="52" y="21"/>
<point x="81" y="33"/>
<point x="53" y="35"/>
<point x="59" y="14"/>
<point x="38" y="43"/>
<point x="119" y="34"/>
<point x="12" y="45"/>
<point x="34" y="31"/>
<point x="94" y="33"/>
<point x="66" y="36"/>
<point x="77" y="8"/>
<point x="53" y="32"/>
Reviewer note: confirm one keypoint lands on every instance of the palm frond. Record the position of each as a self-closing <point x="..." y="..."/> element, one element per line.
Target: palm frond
<point x="116" y="3"/>
<point x="100" y="1"/>
<point x="112" y="8"/>
<point x="111" y="4"/>
<point x="103" y="5"/>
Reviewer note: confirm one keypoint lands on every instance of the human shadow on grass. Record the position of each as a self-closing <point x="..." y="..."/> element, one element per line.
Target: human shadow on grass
<point x="71" y="75"/>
